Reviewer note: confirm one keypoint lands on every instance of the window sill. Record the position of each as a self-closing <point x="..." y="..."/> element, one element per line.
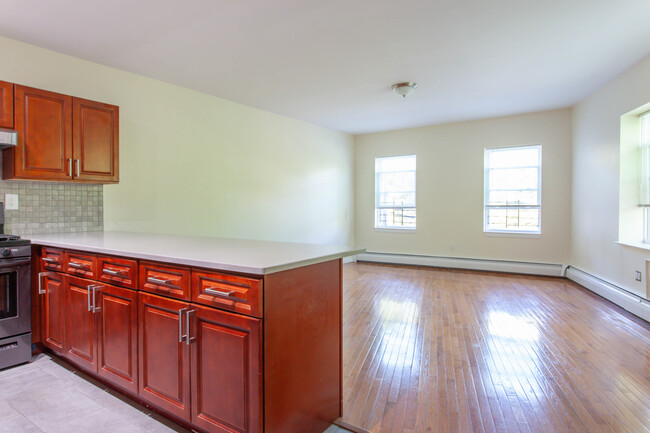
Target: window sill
<point x="639" y="245"/>
<point x="513" y="235"/>
<point x="394" y="230"/>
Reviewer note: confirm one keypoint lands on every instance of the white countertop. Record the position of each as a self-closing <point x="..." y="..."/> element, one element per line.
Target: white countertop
<point x="235" y="255"/>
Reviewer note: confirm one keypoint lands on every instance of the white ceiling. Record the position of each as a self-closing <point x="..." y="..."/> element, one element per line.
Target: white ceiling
<point x="331" y="62"/>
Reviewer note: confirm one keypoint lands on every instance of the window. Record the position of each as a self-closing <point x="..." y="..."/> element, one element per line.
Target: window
<point x="513" y="180"/>
<point x="395" y="192"/>
<point x="644" y="141"/>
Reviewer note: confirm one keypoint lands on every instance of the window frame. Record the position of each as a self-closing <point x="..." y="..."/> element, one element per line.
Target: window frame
<point x="644" y="173"/>
<point x="486" y="191"/>
<point x="377" y="227"/>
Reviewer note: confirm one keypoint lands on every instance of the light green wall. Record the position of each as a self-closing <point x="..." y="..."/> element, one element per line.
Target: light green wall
<point x="195" y="164"/>
<point x="598" y="193"/>
<point x="450" y="188"/>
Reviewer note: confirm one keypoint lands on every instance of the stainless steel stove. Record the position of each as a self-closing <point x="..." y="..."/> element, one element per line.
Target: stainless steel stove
<point x="15" y="300"/>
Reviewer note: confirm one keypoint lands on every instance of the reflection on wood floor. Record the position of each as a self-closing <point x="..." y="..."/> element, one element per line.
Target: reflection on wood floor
<point x="432" y="350"/>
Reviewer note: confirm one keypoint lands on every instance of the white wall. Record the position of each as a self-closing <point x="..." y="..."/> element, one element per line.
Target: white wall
<point x="195" y="164"/>
<point x="596" y="186"/>
<point x="450" y="188"/>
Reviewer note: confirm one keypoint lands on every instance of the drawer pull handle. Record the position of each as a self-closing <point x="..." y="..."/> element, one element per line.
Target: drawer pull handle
<point x="212" y="291"/>
<point x="95" y="307"/>
<point x="90" y="300"/>
<point x="40" y="283"/>
<point x="154" y="280"/>
<point x="113" y="273"/>
<point x="77" y="265"/>
<point x="181" y="336"/>
<point x="50" y="260"/>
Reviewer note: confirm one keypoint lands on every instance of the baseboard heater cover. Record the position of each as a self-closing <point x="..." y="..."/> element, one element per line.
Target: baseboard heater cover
<point x="634" y="304"/>
<point x="546" y="269"/>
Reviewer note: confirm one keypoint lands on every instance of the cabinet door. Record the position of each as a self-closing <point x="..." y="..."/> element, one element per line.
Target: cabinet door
<point x="53" y="311"/>
<point x="44" y="125"/>
<point x="95" y="141"/>
<point x="117" y="335"/>
<point x="6" y="105"/>
<point x="226" y="380"/>
<point x="80" y="323"/>
<point x="164" y="373"/>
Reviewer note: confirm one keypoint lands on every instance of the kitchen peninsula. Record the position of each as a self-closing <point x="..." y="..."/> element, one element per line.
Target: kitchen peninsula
<point x="220" y="335"/>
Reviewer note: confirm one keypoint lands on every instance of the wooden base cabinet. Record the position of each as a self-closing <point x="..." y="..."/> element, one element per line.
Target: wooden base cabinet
<point x="51" y="290"/>
<point x="93" y="325"/>
<point x="225" y="370"/>
<point x="216" y="370"/>
<point x="213" y="353"/>
<point x="164" y="356"/>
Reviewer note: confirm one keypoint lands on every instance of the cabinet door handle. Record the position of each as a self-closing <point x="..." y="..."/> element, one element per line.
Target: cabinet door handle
<point x="90" y="305"/>
<point x="188" y="337"/>
<point x="40" y="283"/>
<point x="77" y="265"/>
<point x="181" y="336"/>
<point x="113" y="272"/>
<point x="95" y="307"/>
<point x="212" y="291"/>
<point x="70" y="166"/>
<point x="154" y="280"/>
<point x="78" y="166"/>
<point x="50" y="260"/>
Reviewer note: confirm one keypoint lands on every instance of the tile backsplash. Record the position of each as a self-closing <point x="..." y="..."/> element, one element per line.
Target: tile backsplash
<point x="50" y="207"/>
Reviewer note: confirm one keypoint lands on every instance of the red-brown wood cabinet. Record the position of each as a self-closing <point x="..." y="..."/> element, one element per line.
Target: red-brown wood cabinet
<point x="52" y="310"/>
<point x="6" y="105"/>
<point x="62" y="138"/>
<point x="192" y="354"/>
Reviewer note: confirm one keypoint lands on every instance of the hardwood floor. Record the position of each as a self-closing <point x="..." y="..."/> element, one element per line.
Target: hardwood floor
<point x="433" y="350"/>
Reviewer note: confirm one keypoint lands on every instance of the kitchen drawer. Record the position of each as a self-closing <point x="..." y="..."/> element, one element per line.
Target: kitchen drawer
<point x="52" y="259"/>
<point x="121" y="272"/>
<point x="228" y="292"/>
<point x="80" y="264"/>
<point x="165" y="279"/>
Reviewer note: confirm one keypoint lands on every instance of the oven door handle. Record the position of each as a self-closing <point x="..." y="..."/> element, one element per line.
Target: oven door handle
<point x="14" y="263"/>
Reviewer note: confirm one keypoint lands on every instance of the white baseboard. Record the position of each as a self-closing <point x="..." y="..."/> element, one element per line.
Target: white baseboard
<point x="548" y="269"/>
<point x="349" y="259"/>
<point x="632" y="303"/>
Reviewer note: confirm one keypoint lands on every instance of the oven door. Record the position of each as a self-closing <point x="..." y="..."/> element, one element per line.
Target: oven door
<point x="15" y="297"/>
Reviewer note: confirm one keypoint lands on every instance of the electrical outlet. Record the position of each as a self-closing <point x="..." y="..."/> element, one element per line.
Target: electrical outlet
<point x="11" y="201"/>
<point x="637" y="275"/>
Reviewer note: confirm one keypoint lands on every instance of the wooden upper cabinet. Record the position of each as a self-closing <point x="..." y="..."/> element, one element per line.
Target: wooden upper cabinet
<point x="95" y="141"/>
<point x="44" y="123"/>
<point x="61" y="138"/>
<point x="6" y="105"/>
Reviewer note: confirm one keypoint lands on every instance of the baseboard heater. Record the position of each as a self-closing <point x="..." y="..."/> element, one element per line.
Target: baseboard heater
<point x="547" y="269"/>
<point x="634" y="304"/>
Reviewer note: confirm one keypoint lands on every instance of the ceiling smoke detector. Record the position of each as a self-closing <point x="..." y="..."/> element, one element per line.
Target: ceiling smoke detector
<point x="404" y="89"/>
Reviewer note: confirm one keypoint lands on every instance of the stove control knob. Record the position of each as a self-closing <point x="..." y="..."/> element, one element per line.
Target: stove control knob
<point x="6" y="252"/>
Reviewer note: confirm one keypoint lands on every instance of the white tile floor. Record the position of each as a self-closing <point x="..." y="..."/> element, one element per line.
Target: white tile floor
<point x="49" y="396"/>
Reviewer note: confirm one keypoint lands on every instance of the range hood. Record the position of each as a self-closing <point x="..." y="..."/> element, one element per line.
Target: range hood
<point x="8" y="138"/>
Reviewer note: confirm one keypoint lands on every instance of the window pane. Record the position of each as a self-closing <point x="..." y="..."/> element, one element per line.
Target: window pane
<point x="515" y="157"/>
<point x="513" y="178"/>
<point x="513" y="181"/>
<point x="395" y="192"/>
<point x="400" y="181"/>
<point x="395" y="163"/>
<point x="513" y="198"/>
<point x="524" y="220"/>
<point x="396" y="218"/>
<point x="396" y="199"/>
